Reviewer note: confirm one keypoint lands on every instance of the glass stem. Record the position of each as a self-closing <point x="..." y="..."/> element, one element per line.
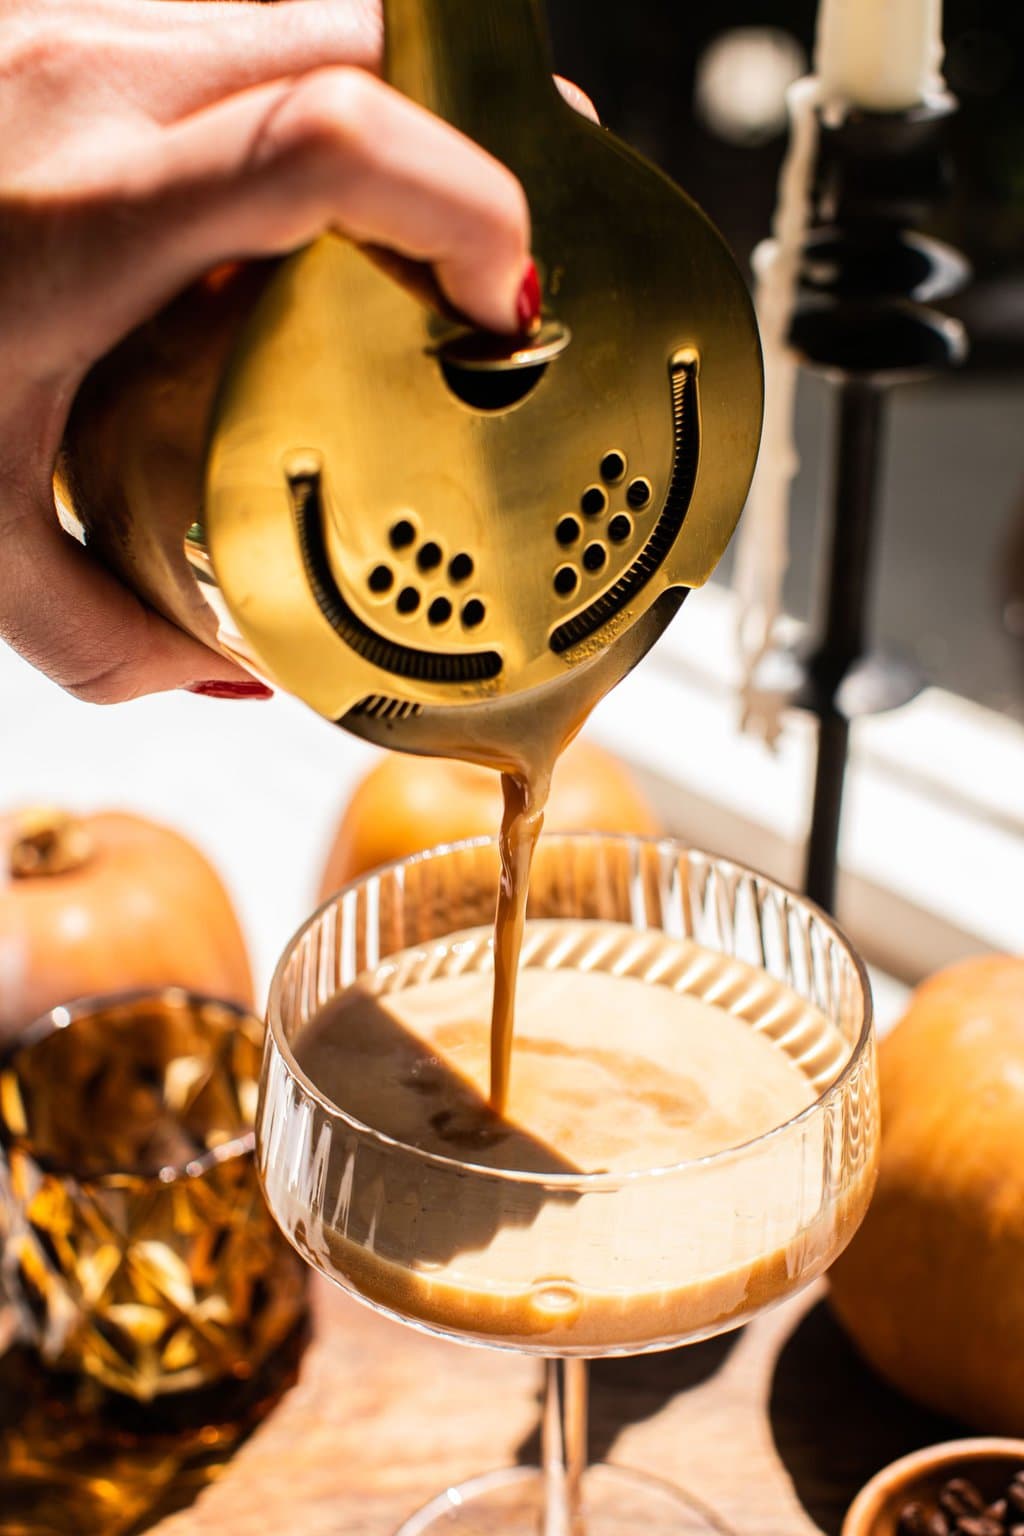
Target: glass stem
<point x="564" y="1446"/>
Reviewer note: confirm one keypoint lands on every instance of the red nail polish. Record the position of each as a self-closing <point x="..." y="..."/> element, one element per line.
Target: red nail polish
<point x="528" y="302"/>
<point x="215" y="689"/>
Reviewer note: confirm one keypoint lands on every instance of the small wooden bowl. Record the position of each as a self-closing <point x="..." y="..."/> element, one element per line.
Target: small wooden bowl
<point x="990" y="1463"/>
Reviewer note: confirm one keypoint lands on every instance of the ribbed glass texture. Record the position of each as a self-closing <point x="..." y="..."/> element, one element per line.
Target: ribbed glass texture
<point x="579" y="1264"/>
<point x="133" y="1239"/>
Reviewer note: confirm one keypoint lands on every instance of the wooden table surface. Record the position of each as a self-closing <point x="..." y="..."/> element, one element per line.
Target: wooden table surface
<point x="772" y="1428"/>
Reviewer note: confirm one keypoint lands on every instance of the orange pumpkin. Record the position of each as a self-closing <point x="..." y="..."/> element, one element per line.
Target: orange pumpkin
<point x="107" y="903"/>
<point x="406" y="804"/>
<point x="930" y="1288"/>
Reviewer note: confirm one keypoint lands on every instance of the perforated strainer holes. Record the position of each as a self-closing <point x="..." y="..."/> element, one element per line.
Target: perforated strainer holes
<point x="613" y="466"/>
<point x="638" y="493"/>
<point x="408" y="600"/>
<point x="428" y="556"/>
<point x="402" y="534"/>
<point x="380" y="579"/>
<point x="460" y="568"/>
<point x="473" y="613"/>
<point x="594" y="506"/>
<point x="440" y="611"/>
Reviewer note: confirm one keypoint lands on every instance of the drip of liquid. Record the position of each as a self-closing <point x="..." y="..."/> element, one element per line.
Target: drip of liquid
<point x="521" y="825"/>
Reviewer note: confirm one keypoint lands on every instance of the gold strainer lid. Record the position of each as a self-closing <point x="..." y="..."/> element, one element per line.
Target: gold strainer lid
<point x="404" y="516"/>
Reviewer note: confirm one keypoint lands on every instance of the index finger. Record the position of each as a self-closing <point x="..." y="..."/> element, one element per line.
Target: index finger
<point x="174" y="57"/>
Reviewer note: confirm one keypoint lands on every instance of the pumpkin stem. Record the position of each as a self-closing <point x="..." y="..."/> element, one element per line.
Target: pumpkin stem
<point x="47" y="842"/>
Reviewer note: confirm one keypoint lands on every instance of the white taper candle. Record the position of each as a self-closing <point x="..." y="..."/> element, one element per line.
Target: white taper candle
<point x="880" y="55"/>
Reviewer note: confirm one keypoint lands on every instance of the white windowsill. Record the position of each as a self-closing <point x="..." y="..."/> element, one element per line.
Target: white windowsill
<point x="932" y="851"/>
<point x="933" y="846"/>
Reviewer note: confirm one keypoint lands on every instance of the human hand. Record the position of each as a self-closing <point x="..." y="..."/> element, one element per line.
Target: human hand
<point x="142" y="143"/>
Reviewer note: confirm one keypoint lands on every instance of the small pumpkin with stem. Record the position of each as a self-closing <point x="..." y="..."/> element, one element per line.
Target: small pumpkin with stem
<point x="108" y="902"/>
<point x="406" y="804"/>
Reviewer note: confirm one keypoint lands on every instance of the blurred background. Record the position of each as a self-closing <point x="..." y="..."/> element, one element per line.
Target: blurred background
<point x="699" y="88"/>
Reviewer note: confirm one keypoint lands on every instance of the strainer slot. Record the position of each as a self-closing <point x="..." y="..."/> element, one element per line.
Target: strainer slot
<point x="379" y="706"/>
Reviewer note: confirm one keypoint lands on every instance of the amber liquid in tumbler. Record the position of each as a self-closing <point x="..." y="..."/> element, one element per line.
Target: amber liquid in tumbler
<point x="142" y="1242"/>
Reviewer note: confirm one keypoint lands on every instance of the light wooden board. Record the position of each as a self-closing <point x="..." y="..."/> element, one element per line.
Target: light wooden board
<point x="773" y="1428"/>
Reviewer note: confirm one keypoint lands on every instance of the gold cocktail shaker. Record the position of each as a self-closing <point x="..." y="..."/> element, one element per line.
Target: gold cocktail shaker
<point x="404" y="522"/>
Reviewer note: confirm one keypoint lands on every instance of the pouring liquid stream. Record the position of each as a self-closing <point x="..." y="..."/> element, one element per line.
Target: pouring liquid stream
<point x="521" y="824"/>
<point x="523" y="744"/>
<point x="525" y="748"/>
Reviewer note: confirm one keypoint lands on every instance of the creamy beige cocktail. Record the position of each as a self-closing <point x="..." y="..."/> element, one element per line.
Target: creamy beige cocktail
<point x="633" y="1052"/>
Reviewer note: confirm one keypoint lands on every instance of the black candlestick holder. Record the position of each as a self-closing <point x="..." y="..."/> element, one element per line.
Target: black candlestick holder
<point x="864" y="319"/>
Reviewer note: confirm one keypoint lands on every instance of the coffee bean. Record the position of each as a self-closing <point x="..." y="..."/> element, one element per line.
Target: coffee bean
<point x="1015" y="1497"/>
<point x="916" y="1519"/>
<point x="913" y="1520"/>
<point x="978" y="1525"/>
<point x="1017" y="1530"/>
<point x="960" y="1497"/>
<point x="997" y="1511"/>
<point x="963" y="1488"/>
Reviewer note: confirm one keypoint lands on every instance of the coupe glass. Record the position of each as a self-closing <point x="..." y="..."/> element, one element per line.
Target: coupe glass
<point x="693" y="1249"/>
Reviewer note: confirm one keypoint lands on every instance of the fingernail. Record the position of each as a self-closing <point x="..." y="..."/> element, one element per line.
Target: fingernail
<point x="215" y="689"/>
<point x="528" y="302"/>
